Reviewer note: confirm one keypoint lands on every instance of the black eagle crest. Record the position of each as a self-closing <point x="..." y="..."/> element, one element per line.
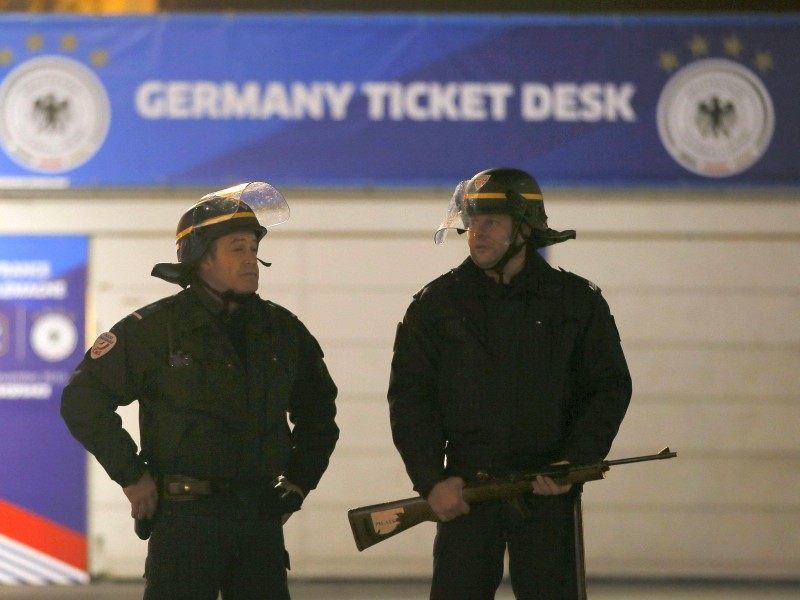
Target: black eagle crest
<point x="51" y="114"/>
<point x="715" y="117"/>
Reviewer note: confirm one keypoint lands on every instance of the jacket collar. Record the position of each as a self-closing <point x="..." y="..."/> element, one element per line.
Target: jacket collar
<point x="536" y="276"/>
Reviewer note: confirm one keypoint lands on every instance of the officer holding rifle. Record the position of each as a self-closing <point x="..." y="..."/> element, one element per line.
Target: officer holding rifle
<point x="505" y="364"/>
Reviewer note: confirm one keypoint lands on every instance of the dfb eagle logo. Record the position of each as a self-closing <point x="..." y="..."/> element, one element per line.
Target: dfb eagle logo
<point x="715" y="117"/>
<point x="51" y="114"/>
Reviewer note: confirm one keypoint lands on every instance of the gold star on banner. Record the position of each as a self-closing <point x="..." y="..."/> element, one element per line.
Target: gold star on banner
<point x="668" y="61"/>
<point x="698" y="46"/>
<point x="5" y="56"/>
<point x="34" y="42"/>
<point x="99" y="58"/>
<point x="763" y="61"/>
<point x="69" y="42"/>
<point x="732" y="45"/>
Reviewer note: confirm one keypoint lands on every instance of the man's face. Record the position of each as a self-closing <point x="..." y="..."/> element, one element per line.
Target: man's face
<point x="489" y="237"/>
<point x="233" y="265"/>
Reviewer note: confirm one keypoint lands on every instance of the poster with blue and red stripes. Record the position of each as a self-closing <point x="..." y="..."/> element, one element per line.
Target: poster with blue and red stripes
<point x="43" y="470"/>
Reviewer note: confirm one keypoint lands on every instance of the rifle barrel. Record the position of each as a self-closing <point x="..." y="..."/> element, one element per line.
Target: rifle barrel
<point x="665" y="453"/>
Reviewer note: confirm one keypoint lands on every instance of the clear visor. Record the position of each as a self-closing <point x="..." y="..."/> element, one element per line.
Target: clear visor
<point x="456" y="217"/>
<point x="266" y="203"/>
<point x="469" y="200"/>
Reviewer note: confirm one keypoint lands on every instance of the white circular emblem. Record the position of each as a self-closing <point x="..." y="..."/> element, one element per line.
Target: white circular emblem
<point x="54" y="114"/>
<point x="53" y="337"/>
<point x="715" y="117"/>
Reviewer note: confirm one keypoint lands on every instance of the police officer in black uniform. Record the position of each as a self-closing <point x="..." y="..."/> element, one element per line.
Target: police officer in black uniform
<point x="505" y="364"/>
<point x="236" y="410"/>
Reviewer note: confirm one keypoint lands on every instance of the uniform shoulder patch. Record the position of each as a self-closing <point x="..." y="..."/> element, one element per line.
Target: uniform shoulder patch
<point x="103" y="344"/>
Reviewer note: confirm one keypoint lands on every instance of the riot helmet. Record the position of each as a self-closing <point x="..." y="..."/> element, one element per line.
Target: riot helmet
<point x="248" y="206"/>
<point x="502" y="191"/>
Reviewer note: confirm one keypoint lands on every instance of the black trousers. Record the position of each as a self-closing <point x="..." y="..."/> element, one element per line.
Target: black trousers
<point x="468" y="552"/>
<point x="202" y="547"/>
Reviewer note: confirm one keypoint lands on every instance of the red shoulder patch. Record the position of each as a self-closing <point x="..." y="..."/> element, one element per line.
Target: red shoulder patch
<point x="103" y="344"/>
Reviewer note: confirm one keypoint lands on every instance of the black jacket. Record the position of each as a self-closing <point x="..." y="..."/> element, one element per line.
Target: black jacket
<point x="505" y="377"/>
<point x="202" y="412"/>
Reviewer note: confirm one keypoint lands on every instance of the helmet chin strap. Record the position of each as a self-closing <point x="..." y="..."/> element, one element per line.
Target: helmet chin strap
<point x="228" y="297"/>
<point x="518" y="241"/>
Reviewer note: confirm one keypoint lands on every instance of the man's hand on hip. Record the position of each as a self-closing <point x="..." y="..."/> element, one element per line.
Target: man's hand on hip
<point x="143" y="496"/>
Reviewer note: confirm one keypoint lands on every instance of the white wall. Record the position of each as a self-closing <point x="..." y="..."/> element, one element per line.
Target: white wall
<point x="705" y="290"/>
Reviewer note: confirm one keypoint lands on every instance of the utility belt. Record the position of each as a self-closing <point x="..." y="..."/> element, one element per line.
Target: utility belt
<point x="183" y="487"/>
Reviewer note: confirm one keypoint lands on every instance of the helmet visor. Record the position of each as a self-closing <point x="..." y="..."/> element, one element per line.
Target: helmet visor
<point x="467" y="201"/>
<point x="266" y="204"/>
<point x="455" y="215"/>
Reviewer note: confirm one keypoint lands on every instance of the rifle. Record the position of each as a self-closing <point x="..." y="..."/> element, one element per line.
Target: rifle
<point x="377" y="522"/>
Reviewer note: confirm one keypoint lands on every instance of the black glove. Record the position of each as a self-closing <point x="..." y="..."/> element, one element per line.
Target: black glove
<point x="143" y="528"/>
<point x="290" y="496"/>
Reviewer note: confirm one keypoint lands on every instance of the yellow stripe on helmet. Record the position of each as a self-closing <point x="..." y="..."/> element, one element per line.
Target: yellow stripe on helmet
<point x="213" y="220"/>
<point x="498" y="196"/>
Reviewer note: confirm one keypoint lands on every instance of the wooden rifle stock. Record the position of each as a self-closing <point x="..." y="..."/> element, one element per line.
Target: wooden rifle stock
<point x="377" y="522"/>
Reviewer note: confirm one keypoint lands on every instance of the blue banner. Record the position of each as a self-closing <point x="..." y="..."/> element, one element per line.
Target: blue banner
<point x="387" y="100"/>
<point x="43" y="473"/>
